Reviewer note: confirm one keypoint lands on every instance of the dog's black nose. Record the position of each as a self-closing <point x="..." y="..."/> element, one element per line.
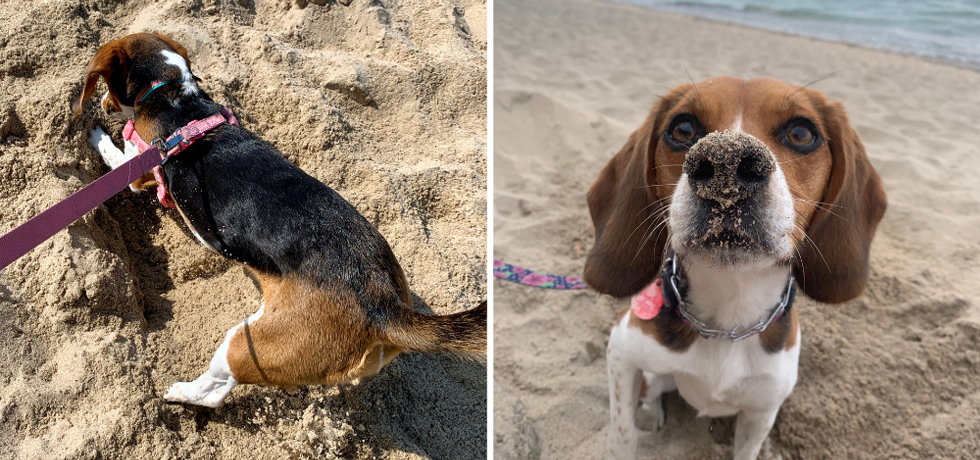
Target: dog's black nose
<point x="728" y="167"/>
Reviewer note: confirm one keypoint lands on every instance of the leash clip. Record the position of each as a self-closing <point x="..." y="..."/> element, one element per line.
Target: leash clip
<point x="168" y="145"/>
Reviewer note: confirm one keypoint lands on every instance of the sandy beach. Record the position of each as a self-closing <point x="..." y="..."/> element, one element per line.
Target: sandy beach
<point x="386" y="103"/>
<point x="892" y="374"/>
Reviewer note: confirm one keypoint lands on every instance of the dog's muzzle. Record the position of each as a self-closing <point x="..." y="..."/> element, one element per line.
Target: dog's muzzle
<point x="727" y="209"/>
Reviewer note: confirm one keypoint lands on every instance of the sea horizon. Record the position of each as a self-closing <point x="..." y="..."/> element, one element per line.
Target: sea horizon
<point x="945" y="31"/>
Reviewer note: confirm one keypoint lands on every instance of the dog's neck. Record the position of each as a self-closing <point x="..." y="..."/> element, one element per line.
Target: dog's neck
<point x="170" y="110"/>
<point x="732" y="297"/>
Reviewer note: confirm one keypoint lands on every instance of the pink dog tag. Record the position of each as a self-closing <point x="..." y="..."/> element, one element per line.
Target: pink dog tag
<point x="647" y="304"/>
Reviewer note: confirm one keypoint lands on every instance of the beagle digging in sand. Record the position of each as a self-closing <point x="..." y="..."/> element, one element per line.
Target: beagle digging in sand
<point x="336" y="305"/>
<point x="728" y="196"/>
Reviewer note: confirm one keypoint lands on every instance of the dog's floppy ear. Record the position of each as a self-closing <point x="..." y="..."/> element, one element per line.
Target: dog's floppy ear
<point x="176" y="47"/>
<point x="630" y="239"/>
<point x="111" y="62"/>
<point x="834" y="267"/>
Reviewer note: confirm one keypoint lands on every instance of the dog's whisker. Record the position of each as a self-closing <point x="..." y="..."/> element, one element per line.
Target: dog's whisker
<point x="821" y="205"/>
<point x="817" y="204"/>
<point x="646" y="240"/>
<point x="697" y="92"/>
<point x="651" y="205"/>
<point x="816" y="248"/>
<point x="652" y="215"/>
<point x="661" y="185"/>
<point x="646" y="235"/>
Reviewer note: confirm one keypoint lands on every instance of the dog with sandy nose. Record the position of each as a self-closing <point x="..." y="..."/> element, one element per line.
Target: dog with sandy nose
<point x="336" y="305"/>
<point x="730" y="195"/>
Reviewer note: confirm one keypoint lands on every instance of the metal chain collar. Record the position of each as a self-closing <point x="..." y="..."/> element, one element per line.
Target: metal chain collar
<point x="732" y="336"/>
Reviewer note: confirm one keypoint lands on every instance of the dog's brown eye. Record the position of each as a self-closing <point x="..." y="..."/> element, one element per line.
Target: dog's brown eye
<point x="800" y="135"/>
<point x="684" y="132"/>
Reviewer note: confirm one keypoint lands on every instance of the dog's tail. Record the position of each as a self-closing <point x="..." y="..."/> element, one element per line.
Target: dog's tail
<point x="463" y="333"/>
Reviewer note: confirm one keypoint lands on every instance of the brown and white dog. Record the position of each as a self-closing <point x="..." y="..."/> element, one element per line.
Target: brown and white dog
<point x="336" y="305"/>
<point x="750" y="184"/>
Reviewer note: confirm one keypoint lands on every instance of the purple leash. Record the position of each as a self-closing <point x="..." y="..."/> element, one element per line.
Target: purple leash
<point x="527" y="277"/>
<point x="28" y="235"/>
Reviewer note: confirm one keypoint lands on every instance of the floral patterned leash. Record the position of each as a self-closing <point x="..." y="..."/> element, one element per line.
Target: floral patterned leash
<point x="527" y="277"/>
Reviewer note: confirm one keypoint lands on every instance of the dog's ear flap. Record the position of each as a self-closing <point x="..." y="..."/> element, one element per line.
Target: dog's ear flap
<point x="630" y="237"/>
<point x="109" y="60"/>
<point x="834" y="264"/>
<point x="176" y="47"/>
<point x="145" y="182"/>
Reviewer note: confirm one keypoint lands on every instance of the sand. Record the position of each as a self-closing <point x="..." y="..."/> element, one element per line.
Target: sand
<point x="892" y="374"/>
<point x="383" y="101"/>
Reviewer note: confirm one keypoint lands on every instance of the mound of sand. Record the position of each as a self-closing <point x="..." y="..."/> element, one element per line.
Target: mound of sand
<point x="892" y="374"/>
<point x="383" y="101"/>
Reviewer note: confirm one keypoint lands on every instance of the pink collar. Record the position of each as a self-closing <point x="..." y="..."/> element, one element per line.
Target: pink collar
<point x="176" y="143"/>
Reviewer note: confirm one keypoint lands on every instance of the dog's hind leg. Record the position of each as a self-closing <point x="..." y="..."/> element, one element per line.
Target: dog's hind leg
<point x="211" y="388"/>
<point x="308" y="335"/>
<point x="651" y="397"/>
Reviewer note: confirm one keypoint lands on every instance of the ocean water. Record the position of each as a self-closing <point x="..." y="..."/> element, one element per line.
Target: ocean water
<point x="946" y="30"/>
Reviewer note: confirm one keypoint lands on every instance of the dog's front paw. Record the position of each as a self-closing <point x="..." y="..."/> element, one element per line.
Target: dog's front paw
<point x="102" y="142"/>
<point x="97" y="136"/>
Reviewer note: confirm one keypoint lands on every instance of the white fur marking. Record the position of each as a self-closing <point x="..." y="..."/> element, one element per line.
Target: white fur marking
<point x="255" y="316"/>
<point x="738" y="297"/>
<point x="737" y="127"/>
<point x="211" y="388"/>
<point x="782" y="216"/>
<point x="127" y="111"/>
<point x="101" y="141"/>
<point x="172" y="58"/>
<point x="131" y="149"/>
<point x="200" y="239"/>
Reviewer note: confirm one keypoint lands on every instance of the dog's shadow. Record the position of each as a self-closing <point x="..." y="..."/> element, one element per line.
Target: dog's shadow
<point x="149" y="262"/>
<point x="438" y="402"/>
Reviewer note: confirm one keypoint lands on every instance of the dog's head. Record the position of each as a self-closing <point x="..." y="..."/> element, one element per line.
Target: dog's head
<point x="739" y="173"/>
<point x="129" y="65"/>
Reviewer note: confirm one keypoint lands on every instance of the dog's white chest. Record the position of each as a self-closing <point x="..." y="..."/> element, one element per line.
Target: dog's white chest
<point x="716" y="377"/>
<point x="722" y="378"/>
